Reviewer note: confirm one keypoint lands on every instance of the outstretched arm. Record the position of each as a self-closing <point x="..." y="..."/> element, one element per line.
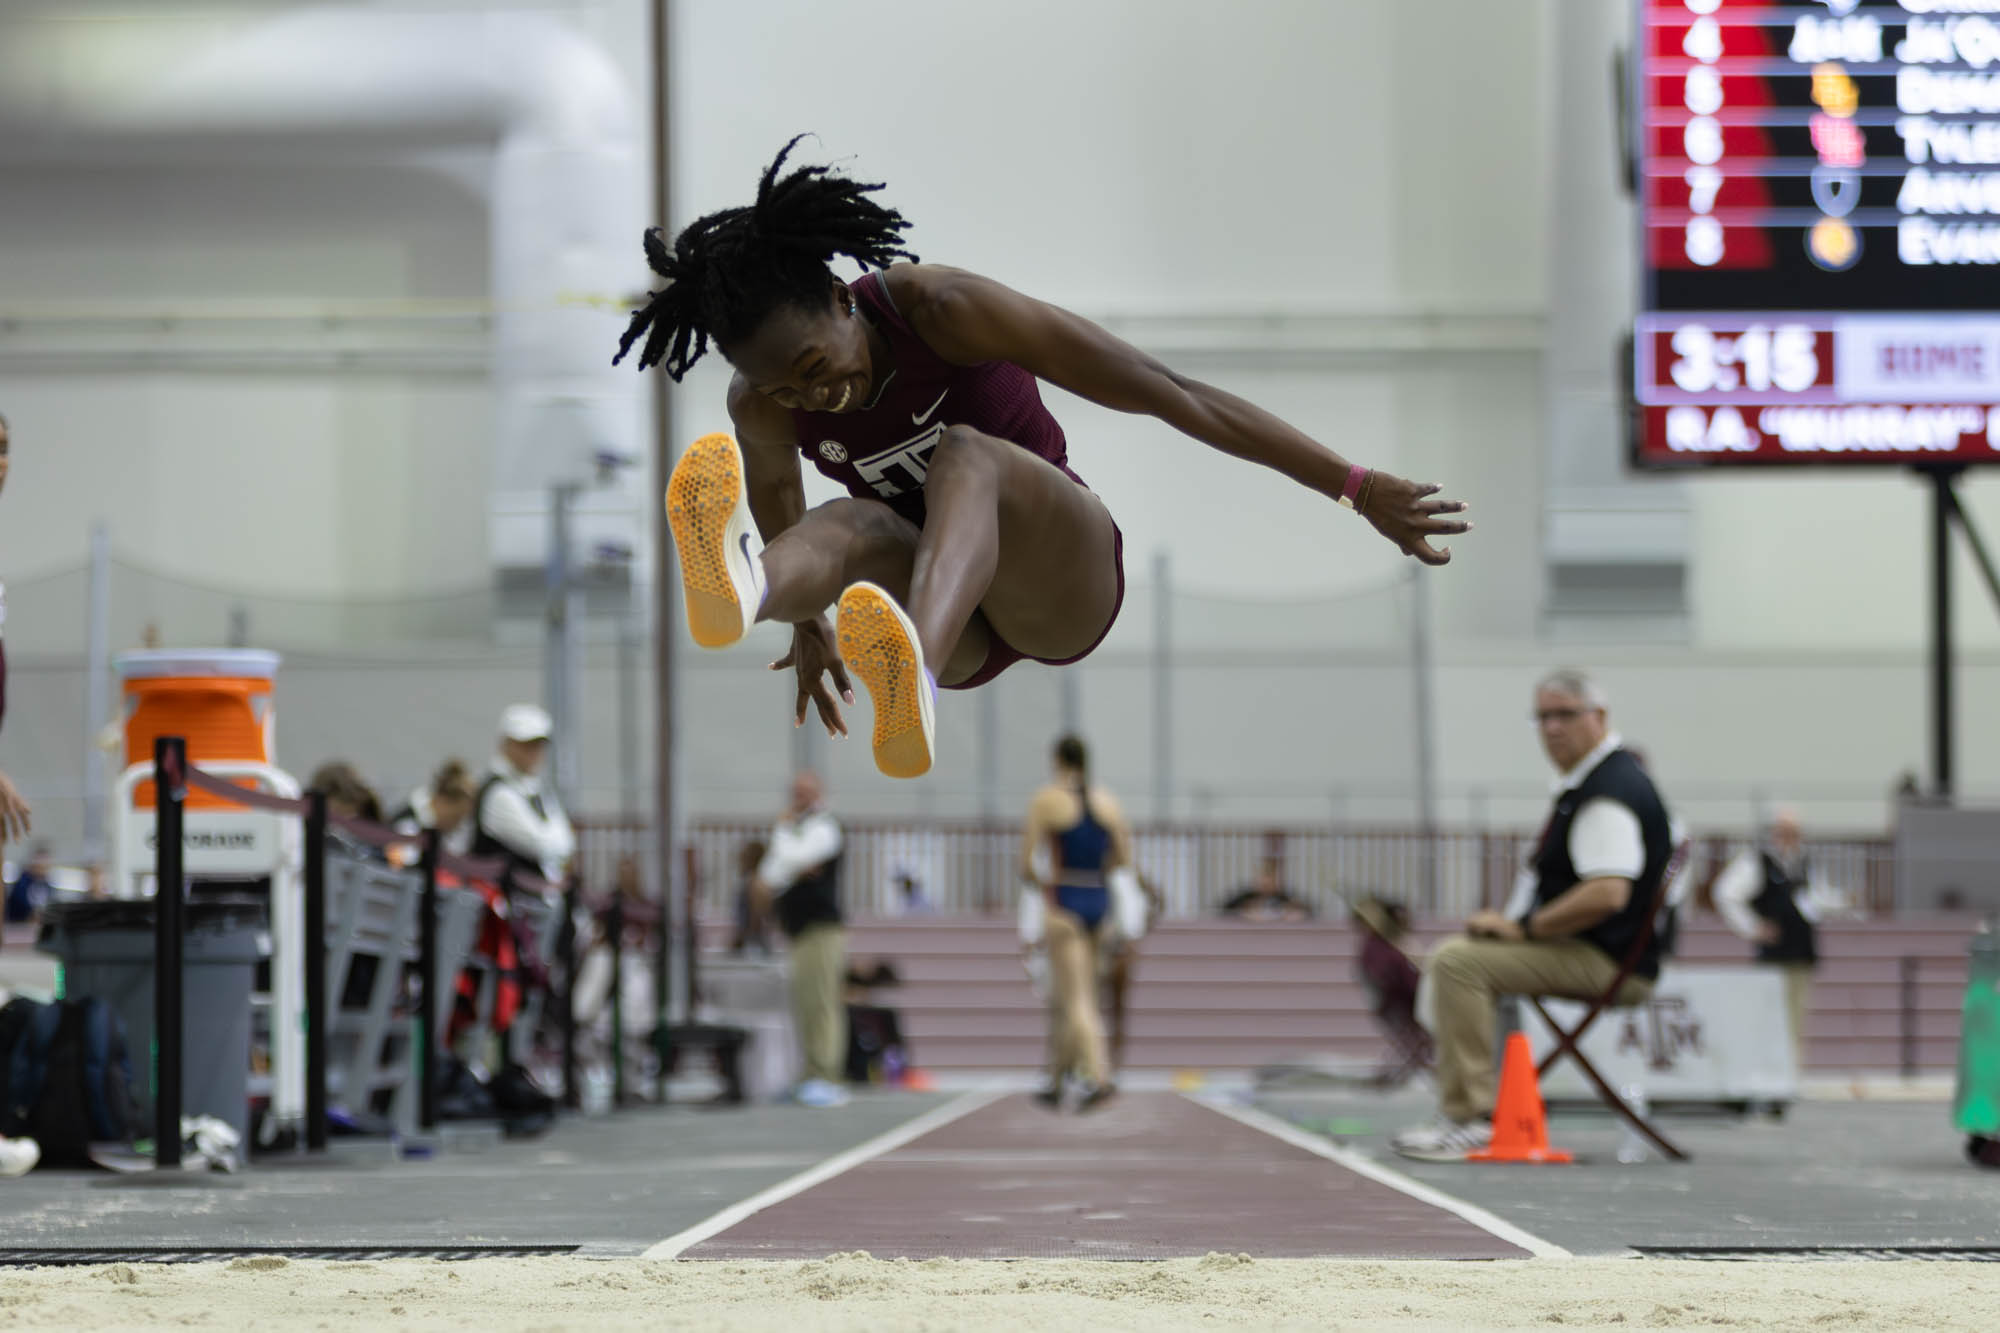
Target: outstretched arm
<point x="968" y="319"/>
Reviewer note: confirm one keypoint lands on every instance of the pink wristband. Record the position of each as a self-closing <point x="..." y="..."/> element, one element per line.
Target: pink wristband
<point x="1355" y="476"/>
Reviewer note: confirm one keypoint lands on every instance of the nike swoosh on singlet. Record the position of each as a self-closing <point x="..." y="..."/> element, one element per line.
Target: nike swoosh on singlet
<point x="919" y="418"/>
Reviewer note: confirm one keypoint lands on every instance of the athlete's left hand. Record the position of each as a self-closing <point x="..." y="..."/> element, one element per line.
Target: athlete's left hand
<point x="1409" y="514"/>
<point x="815" y="656"/>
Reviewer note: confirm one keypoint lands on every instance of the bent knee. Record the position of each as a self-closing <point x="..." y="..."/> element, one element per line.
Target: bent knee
<point x="962" y="448"/>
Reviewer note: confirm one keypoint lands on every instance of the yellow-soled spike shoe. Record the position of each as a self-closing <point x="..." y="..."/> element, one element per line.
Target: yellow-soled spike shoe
<point x="722" y="566"/>
<point x="879" y="644"/>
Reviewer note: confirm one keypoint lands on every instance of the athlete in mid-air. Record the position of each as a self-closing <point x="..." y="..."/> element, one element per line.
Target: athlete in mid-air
<point x="968" y="543"/>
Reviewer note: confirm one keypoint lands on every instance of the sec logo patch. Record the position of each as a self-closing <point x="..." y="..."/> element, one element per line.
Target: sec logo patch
<point x="833" y="451"/>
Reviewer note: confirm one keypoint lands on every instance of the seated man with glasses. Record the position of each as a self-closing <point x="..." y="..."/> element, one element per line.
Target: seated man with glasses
<point x="1587" y="888"/>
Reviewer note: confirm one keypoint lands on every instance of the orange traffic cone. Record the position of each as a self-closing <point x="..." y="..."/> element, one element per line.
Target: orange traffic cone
<point x="1520" y="1126"/>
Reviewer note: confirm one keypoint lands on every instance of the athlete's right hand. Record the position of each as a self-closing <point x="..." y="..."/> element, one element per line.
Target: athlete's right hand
<point x="13" y="812"/>
<point x="814" y="656"/>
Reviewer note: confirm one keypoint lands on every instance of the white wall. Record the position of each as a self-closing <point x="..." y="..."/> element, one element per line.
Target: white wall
<point x="1339" y="209"/>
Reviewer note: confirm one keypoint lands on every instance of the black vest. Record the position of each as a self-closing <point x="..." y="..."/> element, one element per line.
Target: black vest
<point x="484" y="844"/>
<point x="1619" y="778"/>
<point x="1777" y="902"/>
<point x="813" y="899"/>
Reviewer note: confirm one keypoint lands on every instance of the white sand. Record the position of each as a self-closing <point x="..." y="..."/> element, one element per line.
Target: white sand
<point x="854" y="1292"/>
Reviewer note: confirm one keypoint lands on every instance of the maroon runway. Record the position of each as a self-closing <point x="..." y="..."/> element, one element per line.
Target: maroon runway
<point x="1150" y="1176"/>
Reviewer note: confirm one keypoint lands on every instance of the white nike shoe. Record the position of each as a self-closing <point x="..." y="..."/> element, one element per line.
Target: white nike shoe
<point x="18" y="1156"/>
<point x="721" y="555"/>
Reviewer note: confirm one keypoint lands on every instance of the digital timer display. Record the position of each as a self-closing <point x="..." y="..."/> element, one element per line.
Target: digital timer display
<point x="1819" y="211"/>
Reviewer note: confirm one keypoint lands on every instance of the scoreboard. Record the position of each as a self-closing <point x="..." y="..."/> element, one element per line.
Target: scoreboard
<point x="1819" y="215"/>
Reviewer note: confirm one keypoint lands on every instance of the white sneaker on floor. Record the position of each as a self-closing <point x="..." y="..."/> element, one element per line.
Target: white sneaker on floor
<point x="18" y="1156"/>
<point x="818" y="1092"/>
<point x="1443" y="1139"/>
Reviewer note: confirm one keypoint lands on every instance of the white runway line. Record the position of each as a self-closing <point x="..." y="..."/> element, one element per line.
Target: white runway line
<point x="1395" y="1180"/>
<point x="672" y="1246"/>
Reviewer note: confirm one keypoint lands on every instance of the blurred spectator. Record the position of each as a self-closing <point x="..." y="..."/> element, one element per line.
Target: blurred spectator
<point x="14" y="810"/>
<point x="753" y="912"/>
<point x="876" y="1051"/>
<point x="96" y="887"/>
<point x="348" y="795"/>
<point x="445" y="804"/>
<point x="1266" y="898"/>
<point x="29" y="893"/>
<point x="1771" y="896"/>
<point x="1598" y="866"/>
<point x="514" y="815"/>
<point x="1083" y="832"/>
<point x="800" y="877"/>
<point x="1391" y="980"/>
<point x="910" y="894"/>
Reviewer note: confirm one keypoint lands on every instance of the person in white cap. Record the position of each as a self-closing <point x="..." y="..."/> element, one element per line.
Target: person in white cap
<point x="514" y="815"/>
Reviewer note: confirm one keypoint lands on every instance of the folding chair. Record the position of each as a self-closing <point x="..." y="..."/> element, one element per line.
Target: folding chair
<point x="1566" y="1042"/>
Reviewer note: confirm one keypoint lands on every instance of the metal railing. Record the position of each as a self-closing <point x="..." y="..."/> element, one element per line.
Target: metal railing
<point x="970" y="867"/>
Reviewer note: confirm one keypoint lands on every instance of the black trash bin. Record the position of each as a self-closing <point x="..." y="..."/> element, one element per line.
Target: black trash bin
<point x="106" y="951"/>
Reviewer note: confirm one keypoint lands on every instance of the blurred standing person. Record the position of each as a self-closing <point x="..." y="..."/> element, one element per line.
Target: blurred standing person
<point x="16" y="1155"/>
<point x="1085" y="836"/>
<point x="513" y="814"/>
<point x="445" y="804"/>
<point x="29" y="893"/>
<point x="1770" y="896"/>
<point x="800" y="877"/>
<point x="13" y="810"/>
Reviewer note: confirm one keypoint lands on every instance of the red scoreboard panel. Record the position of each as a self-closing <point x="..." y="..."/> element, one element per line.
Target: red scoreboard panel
<point x="1819" y="210"/>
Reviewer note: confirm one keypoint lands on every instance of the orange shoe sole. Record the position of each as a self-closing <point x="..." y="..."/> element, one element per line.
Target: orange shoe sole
<point x="880" y="646"/>
<point x="720" y="552"/>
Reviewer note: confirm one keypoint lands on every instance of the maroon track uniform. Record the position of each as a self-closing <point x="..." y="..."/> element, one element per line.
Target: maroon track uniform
<point x="883" y="451"/>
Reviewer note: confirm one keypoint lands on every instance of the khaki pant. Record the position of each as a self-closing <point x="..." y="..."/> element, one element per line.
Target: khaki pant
<point x="819" y="1000"/>
<point x="1076" y="1033"/>
<point x="1798" y="1000"/>
<point x="1466" y="975"/>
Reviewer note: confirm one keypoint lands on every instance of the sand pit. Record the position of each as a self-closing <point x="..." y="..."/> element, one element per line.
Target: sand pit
<point x="864" y="1295"/>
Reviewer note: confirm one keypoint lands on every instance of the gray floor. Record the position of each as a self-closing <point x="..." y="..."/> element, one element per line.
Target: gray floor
<point x="1835" y="1174"/>
<point x="612" y="1185"/>
<point x="1847" y="1174"/>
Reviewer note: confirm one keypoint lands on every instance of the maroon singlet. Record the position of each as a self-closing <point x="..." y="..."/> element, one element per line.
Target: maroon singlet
<point x="883" y="452"/>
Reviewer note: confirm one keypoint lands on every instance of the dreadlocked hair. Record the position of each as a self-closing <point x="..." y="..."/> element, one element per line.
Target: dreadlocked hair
<point x="729" y="270"/>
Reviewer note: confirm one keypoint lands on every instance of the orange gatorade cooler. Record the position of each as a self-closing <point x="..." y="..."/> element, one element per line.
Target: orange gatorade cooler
<point x="219" y="699"/>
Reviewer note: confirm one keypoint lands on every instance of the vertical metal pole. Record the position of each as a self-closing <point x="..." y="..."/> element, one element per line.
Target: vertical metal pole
<point x="1072" y="701"/>
<point x="1163" y="689"/>
<point x="169" y="773"/>
<point x="97" y="692"/>
<point x="628" y="716"/>
<point x="424" y="1030"/>
<point x="317" y="1028"/>
<point x="565" y="624"/>
<point x="666" y="610"/>
<point x="1426" y="705"/>
<point x="1942" y="712"/>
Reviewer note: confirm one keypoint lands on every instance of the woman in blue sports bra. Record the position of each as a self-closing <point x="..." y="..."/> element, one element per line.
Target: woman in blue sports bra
<point x="1081" y="831"/>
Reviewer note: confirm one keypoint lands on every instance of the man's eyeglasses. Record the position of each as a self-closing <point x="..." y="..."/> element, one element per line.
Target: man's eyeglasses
<point x="1544" y="716"/>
